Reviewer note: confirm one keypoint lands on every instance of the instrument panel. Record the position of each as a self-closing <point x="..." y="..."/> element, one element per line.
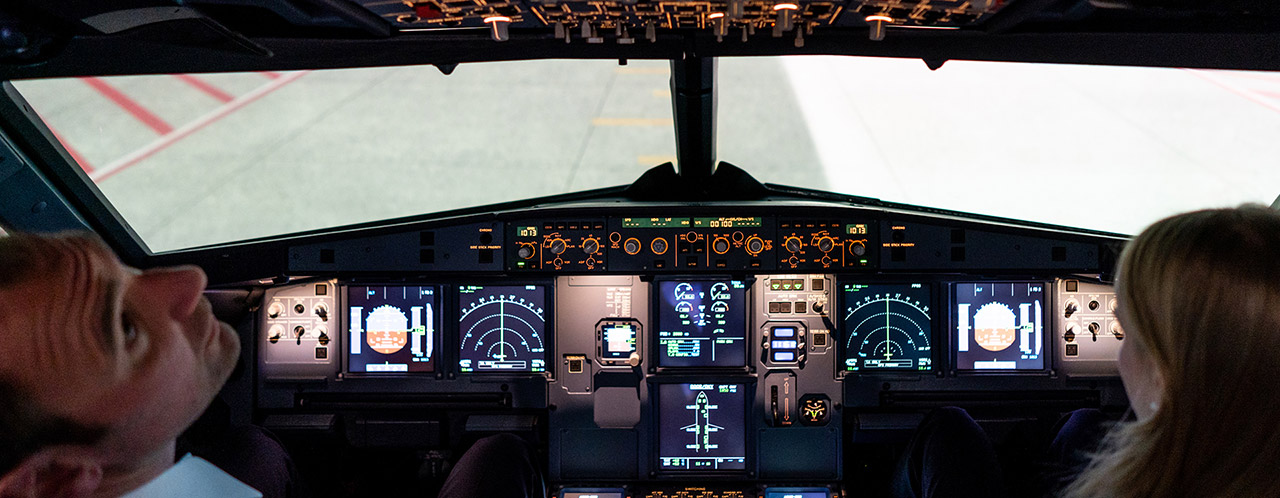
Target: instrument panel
<point x="670" y="347"/>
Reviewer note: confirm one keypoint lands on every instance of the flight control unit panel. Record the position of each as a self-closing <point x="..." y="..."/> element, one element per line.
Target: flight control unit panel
<point x="660" y="349"/>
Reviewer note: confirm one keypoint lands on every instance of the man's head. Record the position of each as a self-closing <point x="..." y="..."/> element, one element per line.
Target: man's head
<point x="121" y="360"/>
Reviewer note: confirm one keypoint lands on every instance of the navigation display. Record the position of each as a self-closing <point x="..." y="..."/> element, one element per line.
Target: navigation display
<point x="999" y="325"/>
<point x="701" y="427"/>
<point x="502" y="328"/>
<point x="702" y="323"/>
<point x="886" y="327"/>
<point x="392" y="328"/>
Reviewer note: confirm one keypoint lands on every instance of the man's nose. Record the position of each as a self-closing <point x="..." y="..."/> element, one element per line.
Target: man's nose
<point x="175" y="290"/>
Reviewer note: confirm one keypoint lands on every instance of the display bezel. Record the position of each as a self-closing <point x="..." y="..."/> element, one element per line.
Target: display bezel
<point x="343" y="300"/>
<point x="1048" y="331"/>
<point x="548" y="329"/>
<point x="936" y="353"/>
<point x="748" y="387"/>
<point x="655" y="322"/>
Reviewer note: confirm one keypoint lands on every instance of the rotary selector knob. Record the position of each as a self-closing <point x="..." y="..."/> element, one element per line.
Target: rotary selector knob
<point x="525" y="251"/>
<point x="274" y="310"/>
<point x="631" y="246"/>
<point x="1117" y="331"/>
<point x="1093" y="329"/>
<point x="858" y="248"/>
<point x="792" y="244"/>
<point x="591" y="245"/>
<point x="818" y="308"/>
<point x="323" y="338"/>
<point x="720" y="245"/>
<point x="826" y="244"/>
<point x="755" y="245"/>
<point x="322" y="311"/>
<point x="659" y="246"/>
<point x="277" y="331"/>
<point x="558" y="246"/>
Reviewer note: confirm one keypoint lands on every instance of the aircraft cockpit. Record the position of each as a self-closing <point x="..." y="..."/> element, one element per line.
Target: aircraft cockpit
<point x="669" y="324"/>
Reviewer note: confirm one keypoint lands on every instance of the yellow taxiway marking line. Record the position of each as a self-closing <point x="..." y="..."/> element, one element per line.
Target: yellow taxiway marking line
<point x="654" y="160"/>
<point x="632" y="122"/>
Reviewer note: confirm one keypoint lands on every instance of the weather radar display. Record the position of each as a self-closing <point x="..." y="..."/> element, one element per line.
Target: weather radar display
<point x="702" y="427"/>
<point x="392" y="328"/>
<point x="502" y="328"/>
<point x="999" y="326"/>
<point x="702" y="323"/>
<point x="887" y="327"/>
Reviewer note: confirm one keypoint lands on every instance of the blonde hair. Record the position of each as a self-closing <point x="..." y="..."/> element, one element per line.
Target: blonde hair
<point x="1201" y="297"/>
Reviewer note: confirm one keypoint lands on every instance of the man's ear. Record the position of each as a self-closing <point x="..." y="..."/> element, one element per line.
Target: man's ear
<point x="60" y="472"/>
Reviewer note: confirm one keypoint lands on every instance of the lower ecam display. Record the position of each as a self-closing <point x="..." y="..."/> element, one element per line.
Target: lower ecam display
<point x="702" y="427"/>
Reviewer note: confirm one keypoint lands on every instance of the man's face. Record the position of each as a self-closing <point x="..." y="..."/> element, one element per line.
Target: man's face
<point x="138" y="353"/>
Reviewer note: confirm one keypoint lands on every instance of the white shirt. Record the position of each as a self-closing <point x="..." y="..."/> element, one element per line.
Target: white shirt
<point x="194" y="477"/>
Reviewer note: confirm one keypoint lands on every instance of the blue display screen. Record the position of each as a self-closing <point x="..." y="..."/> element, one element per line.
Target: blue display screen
<point x="391" y="328"/>
<point x="701" y="427"/>
<point x="702" y="323"/>
<point x="797" y="493"/>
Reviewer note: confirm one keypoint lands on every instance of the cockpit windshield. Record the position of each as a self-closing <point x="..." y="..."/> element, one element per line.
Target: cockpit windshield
<point x="181" y="157"/>
<point x="1103" y="148"/>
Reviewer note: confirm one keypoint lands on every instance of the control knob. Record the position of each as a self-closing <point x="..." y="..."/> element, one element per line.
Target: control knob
<point x="525" y="251"/>
<point x="755" y="245"/>
<point x="720" y="245"/>
<point x="631" y="246"/>
<point x="792" y="244"/>
<point x="590" y="246"/>
<point x="274" y="310"/>
<point x="858" y="248"/>
<point x="826" y="244"/>
<point x="659" y="246"/>
<point x="818" y="308"/>
<point x="1072" y="308"/>
<point x="298" y="332"/>
<point x="558" y="246"/>
<point x="322" y="311"/>
<point x="1117" y="332"/>
<point x="1093" y="329"/>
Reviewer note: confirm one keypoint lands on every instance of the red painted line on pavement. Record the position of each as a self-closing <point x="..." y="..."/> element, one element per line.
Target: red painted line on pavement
<point x="1252" y="96"/>
<point x="88" y="168"/>
<point x="129" y="105"/>
<point x="205" y="87"/>
<point x="167" y="140"/>
<point x="270" y="74"/>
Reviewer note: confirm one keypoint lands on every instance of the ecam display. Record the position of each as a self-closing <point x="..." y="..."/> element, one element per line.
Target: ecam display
<point x="702" y="427"/>
<point x="702" y="323"/>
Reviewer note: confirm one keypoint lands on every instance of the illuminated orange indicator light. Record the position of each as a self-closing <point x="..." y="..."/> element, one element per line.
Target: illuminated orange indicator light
<point x="786" y="6"/>
<point x="494" y="19"/>
<point x="716" y="15"/>
<point x="881" y="18"/>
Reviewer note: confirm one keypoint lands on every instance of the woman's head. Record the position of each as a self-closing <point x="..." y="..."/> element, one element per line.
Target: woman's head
<point x="1199" y="299"/>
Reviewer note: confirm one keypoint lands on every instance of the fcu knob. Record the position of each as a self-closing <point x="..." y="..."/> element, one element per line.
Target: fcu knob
<point x="659" y="246"/>
<point x="792" y="244"/>
<point x="755" y="244"/>
<point x="858" y="248"/>
<point x="590" y="246"/>
<point x="720" y="245"/>
<point x="525" y="252"/>
<point x="631" y="246"/>
<point x="558" y="246"/>
<point x="825" y="244"/>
